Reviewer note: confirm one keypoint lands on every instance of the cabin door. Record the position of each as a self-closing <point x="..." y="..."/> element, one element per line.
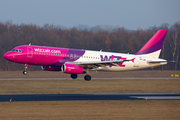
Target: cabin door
<point x="29" y="52"/>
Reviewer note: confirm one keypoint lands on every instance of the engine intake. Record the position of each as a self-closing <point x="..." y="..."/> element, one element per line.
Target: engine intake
<point x="72" y="69"/>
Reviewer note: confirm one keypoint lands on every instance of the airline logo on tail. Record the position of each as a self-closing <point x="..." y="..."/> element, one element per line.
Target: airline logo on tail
<point x="153" y="46"/>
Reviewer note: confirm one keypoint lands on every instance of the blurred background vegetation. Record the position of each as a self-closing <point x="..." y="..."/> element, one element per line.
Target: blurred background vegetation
<point x="107" y="38"/>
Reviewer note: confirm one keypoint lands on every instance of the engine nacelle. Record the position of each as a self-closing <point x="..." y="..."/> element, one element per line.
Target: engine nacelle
<point x="72" y="69"/>
<point x="51" y="68"/>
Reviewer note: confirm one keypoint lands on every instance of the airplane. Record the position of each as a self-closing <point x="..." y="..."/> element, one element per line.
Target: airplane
<point x="76" y="61"/>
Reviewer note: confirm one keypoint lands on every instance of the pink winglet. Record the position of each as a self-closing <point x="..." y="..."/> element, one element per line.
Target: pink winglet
<point x="133" y="60"/>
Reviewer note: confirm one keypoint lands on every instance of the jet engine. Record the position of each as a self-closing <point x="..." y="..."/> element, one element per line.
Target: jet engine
<point x="72" y="69"/>
<point x="51" y="68"/>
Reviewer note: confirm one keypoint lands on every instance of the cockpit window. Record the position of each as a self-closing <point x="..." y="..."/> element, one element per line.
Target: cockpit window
<point x="16" y="50"/>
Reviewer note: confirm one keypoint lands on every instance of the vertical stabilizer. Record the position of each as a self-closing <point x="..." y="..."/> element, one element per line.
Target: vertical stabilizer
<point x="153" y="47"/>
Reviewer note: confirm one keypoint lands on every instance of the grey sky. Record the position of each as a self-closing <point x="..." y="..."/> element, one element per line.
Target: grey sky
<point x="130" y="14"/>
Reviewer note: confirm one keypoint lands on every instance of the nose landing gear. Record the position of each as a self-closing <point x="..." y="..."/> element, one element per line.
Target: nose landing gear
<point x="25" y="67"/>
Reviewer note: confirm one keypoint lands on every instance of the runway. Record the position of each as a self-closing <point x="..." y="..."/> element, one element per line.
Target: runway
<point x="125" y="78"/>
<point x="71" y="97"/>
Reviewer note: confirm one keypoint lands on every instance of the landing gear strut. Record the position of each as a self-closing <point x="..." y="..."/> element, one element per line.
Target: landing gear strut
<point x="74" y="76"/>
<point x="25" y="67"/>
<point x="87" y="77"/>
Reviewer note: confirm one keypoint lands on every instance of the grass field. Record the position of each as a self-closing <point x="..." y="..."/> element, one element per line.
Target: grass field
<point x="91" y="110"/>
<point x="94" y="86"/>
<point x="96" y="110"/>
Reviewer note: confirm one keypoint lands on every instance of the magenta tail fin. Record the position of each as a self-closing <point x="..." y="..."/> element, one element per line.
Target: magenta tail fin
<point x="153" y="46"/>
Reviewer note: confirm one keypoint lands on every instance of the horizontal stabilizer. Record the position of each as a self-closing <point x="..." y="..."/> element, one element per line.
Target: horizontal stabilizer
<point x="157" y="61"/>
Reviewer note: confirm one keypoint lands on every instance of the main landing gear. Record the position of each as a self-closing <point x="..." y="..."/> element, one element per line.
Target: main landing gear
<point x="74" y="76"/>
<point x="25" y="67"/>
<point x="86" y="77"/>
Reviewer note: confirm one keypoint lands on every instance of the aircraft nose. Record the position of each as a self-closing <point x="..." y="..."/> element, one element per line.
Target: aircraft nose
<point x="8" y="56"/>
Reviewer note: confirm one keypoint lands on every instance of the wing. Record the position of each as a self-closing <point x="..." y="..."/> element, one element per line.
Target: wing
<point x="96" y="64"/>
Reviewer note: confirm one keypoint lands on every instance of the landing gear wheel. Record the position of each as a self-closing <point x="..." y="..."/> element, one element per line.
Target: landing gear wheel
<point x="25" y="72"/>
<point x="74" y="76"/>
<point x="25" y="67"/>
<point x="87" y="77"/>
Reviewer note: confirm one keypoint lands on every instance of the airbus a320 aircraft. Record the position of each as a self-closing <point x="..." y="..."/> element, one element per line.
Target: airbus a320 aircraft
<point x="74" y="61"/>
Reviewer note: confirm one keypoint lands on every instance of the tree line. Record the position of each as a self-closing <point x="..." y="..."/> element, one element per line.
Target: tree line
<point x="115" y="39"/>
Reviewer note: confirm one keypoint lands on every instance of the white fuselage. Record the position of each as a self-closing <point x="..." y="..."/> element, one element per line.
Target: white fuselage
<point x="139" y="62"/>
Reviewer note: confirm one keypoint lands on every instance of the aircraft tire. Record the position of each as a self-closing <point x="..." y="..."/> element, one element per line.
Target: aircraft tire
<point x="25" y="72"/>
<point x="87" y="77"/>
<point x="74" y="76"/>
